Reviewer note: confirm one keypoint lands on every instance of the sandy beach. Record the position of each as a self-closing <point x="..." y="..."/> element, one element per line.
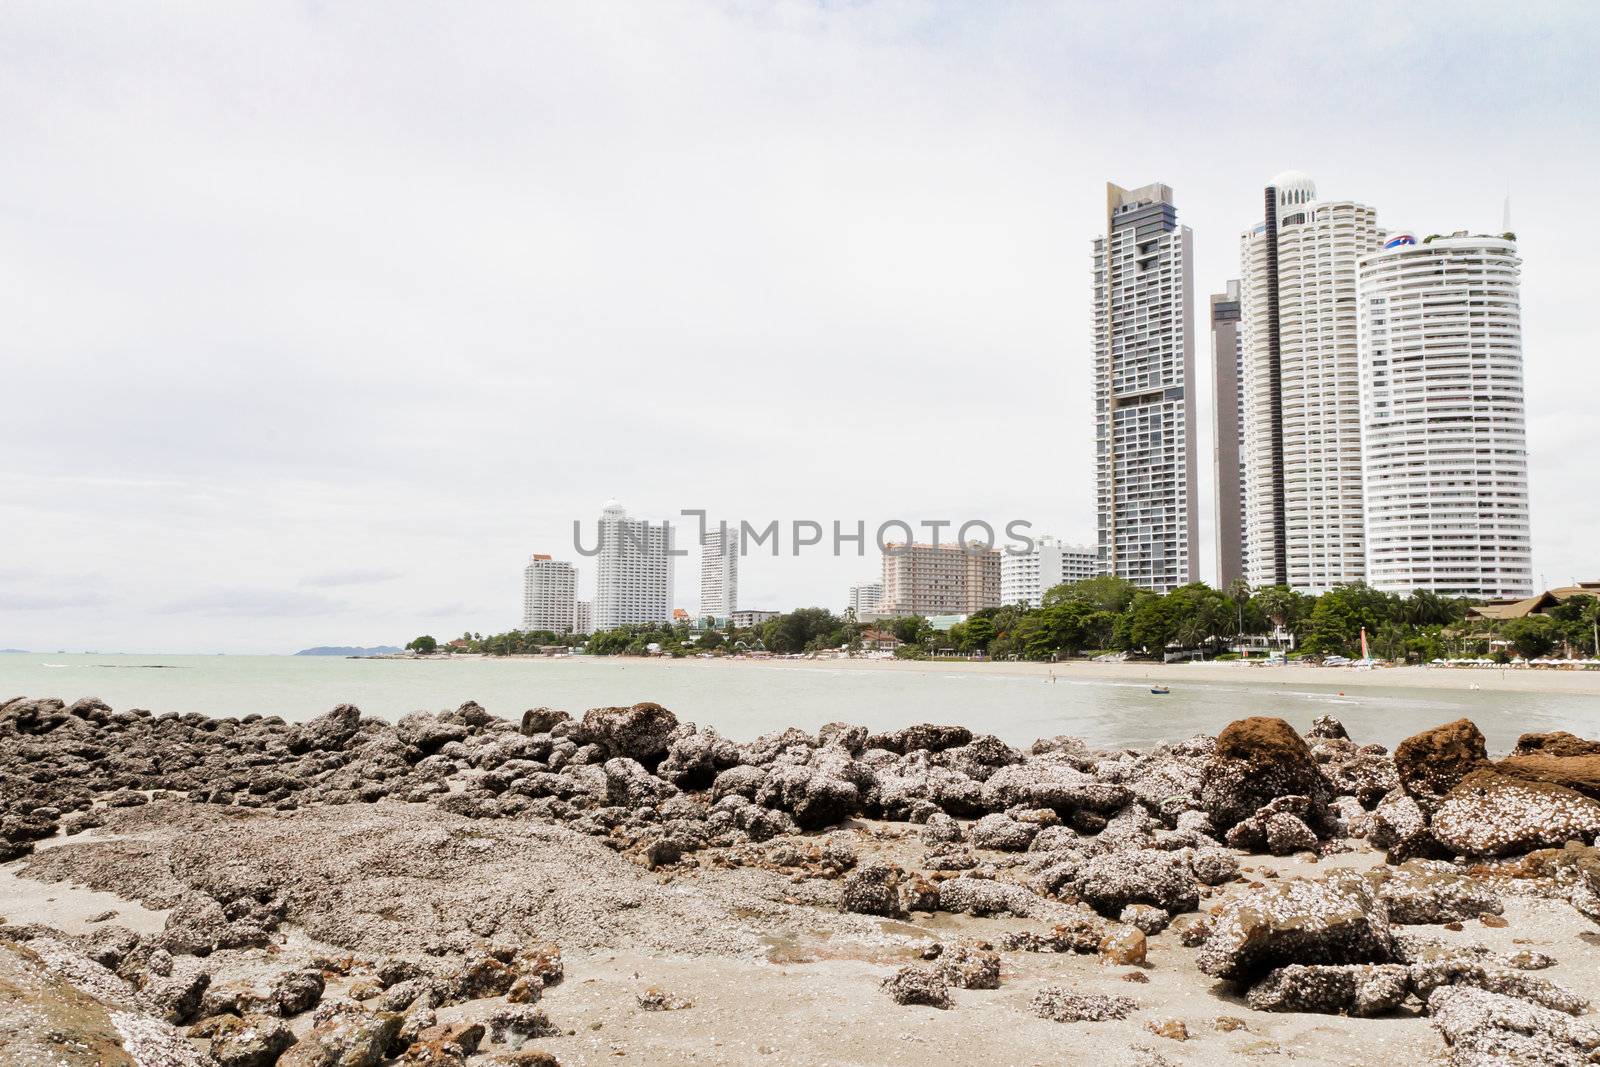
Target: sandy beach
<point x="456" y="889"/>
<point x="1500" y="679"/>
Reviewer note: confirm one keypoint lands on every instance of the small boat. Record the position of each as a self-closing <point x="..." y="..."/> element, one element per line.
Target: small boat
<point x="1159" y="690"/>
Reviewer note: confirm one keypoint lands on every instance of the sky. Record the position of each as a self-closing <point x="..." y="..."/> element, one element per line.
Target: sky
<point x="316" y="319"/>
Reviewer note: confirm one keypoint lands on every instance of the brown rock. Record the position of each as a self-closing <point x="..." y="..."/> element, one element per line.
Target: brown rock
<point x="1125" y="946"/>
<point x="1227" y="1024"/>
<point x="1559" y="743"/>
<point x="1578" y="772"/>
<point x="1168" y="1028"/>
<point x="1257" y="760"/>
<point x="1493" y="921"/>
<point x="1431" y="763"/>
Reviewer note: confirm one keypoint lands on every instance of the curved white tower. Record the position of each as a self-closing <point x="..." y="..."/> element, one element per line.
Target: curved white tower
<point x="1300" y="398"/>
<point x="1445" y="462"/>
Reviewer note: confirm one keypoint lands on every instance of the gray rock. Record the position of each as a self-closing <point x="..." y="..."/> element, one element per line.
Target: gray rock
<point x="1336" y="920"/>
<point x="873" y="889"/>
<point x="1495" y="977"/>
<point x="1062" y="1005"/>
<point x="1111" y="882"/>
<point x="297" y="991"/>
<point x="251" y="1041"/>
<point x="1489" y="1028"/>
<point x="940" y="829"/>
<point x="1424" y="892"/>
<point x="980" y="896"/>
<point x="352" y="1038"/>
<point x="1491" y="814"/>
<point x="175" y="996"/>
<point x="1332" y="989"/>
<point x="1002" y="833"/>
<point x="916" y="984"/>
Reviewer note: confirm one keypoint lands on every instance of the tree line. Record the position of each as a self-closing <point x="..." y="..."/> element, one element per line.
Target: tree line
<point x="1109" y="614"/>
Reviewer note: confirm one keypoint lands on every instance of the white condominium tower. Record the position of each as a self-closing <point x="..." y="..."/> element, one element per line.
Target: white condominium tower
<point x="1227" y="366"/>
<point x="866" y="597"/>
<point x="1026" y="577"/>
<point x="1443" y="438"/>
<point x="719" y="571"/>
<point x="549" y="595"/>
<point x="1145" y="484"/>
<point x="633" y="572"/>
<point x="1302" y="397"/>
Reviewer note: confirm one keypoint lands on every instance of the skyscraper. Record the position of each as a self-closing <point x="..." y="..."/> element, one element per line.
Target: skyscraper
<point x="1146" y="496"/>
<point x="1302" y="405"/>
<point x="1444" y="449"/>
<point x="719" y="571"/>
<point x="549" y="592"/>
<point x="1227" y="359"/>
<point x="633" y="573"/>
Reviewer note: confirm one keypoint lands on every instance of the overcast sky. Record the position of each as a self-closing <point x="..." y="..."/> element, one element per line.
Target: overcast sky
<point x="316" y="319"/>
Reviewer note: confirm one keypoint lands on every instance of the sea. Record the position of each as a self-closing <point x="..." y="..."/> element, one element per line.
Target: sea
<point x="743" y="700"/>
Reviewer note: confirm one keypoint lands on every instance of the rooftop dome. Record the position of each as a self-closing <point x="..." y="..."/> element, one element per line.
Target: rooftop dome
<point x="611" y="505"/>
<point x="1295" y="187"/>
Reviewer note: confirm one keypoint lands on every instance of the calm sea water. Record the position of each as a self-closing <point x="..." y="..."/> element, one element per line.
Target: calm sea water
<point x="746" y="699"/>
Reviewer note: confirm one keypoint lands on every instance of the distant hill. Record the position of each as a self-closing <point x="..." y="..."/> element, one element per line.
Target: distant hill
<point x="18" y="651"/>
<point x="343" y="650"/>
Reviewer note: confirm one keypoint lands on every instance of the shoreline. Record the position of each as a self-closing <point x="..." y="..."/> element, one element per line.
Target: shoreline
<point x="1458" y="679"/>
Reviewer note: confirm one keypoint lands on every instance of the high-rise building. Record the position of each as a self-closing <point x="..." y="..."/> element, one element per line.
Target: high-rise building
<point x="1227" y="360"/>
<point x="1444" y="449"/>
<point x="1025" y="577"/>
<point x="719" y="571"/>
<point x="1145" y="484"/>
<point x="866" y="597"/>
<point x="583" y="617"/>
<point x="1301" y="391"/>
<point x="940" y="579"/>
<point x="549" y="590"/>
<point x="633" y="572"/>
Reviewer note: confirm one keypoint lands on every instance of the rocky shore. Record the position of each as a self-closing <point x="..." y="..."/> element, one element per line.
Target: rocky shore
<point x="458" y="888"/>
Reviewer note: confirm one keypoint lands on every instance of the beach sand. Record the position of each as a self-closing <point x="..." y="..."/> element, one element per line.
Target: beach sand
<point x="1500" y="679"/>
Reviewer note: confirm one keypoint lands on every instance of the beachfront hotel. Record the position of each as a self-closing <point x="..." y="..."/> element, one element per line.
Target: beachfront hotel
<point x="940" y="579"/>
<point x="633" y="572"/>
<point x="1301" y="402"/>
<point x="1227" y="366"/>
<point x="1444" y="450"/>
<point x="1026" y="577"/>
<point x="1146" y="497"/>
<point x="549" y="595"/>
<point x="719" y="572"/>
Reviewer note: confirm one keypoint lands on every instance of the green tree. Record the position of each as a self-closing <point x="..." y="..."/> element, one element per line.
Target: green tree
<point x="1280" y="605"/>
<point x="1336" y="621"/>
<point x="910" y="629"/>
<point x="1105" y="593"/>
<point x="1151" y="625"/>
<point x="424" y="644"/>
<point x="1531" y="637"/>
<point x="980" y="632"/>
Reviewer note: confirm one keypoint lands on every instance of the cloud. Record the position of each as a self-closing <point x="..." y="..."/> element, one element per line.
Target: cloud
<point x="23" y="600"/>
<point x="353" y="576"/>
<point x="253" y="604"/>
<point x="381" y="303"/>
